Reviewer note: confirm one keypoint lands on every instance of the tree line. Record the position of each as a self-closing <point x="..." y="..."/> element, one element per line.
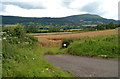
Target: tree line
<point x="111" y="25"/>
<point x="39" y="28"/>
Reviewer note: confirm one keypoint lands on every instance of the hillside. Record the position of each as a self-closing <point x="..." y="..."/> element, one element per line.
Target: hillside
<point x="84" y="19"/>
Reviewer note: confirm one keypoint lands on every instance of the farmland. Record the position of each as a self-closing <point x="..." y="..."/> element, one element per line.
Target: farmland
<point x="19" y="48"/>
<point x="56" y="40"/>
<point x="25" y="45"/>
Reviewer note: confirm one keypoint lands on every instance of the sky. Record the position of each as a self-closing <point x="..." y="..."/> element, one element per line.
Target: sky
<point x="59" y="8"/>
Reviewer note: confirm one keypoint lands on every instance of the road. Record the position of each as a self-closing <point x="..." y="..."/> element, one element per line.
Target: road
<point x="85" y="66"/>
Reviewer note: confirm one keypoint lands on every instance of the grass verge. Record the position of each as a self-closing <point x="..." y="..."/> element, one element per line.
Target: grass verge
<point x="105" y="46"/>
<point x="22" y="61"/>
<point x="22" y="56"/>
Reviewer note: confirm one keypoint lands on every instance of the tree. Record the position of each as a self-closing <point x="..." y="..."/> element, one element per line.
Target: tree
<point x="54" y="29"/>
<point x="18" y="30"/>
<point x="111" y="25"/>
<point x="32" y="27"/>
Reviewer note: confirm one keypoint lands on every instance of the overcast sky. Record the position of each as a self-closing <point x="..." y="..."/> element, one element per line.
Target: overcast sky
<point x="59" y="8"/>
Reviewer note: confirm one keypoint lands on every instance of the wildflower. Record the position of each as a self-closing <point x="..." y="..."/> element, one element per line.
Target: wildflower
<point x="8" y="35"/>
<point x="4" y="38"/>
<point x="26" y="42"/>
<point x="53" y="71"/>
<point x="3" y="33"/>
<point x="42" y="71"/>
<point x="0" y="55"/>
<point x="33" y="58"/>
<point x="18" y="42"/>
<point x="46" y="68"/>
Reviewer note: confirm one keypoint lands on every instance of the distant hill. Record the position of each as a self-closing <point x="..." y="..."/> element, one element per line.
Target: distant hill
<point x="84" y="19"/>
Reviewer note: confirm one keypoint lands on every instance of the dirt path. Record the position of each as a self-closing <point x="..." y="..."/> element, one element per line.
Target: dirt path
<point x="84" y="66"/>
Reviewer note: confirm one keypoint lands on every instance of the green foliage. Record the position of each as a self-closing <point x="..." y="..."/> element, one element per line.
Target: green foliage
<point x="18" y="31"/>
<point x="111" y="25"/>
<point x="17" y="35"/>
<point x="106" y="45"/>
<point x="23" y="61"/>
<point x="54" y="29"/>
<point x="23" y="57"/>
<point x="31" y="27"/>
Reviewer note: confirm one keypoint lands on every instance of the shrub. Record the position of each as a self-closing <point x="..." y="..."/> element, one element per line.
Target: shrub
<point x="17" y="35"/>
<point x="19" y="31"/>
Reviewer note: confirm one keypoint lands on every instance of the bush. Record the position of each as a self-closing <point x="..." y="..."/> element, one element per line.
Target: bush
<point x="19" y="31"/>
<point x="17" y="35"/>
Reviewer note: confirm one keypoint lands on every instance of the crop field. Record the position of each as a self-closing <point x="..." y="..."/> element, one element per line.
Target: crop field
<point x="56" y="40"/>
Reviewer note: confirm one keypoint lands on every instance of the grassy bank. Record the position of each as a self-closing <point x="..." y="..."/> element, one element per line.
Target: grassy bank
<point x="20" y="61"/>
<point x="23" y="57"/>
<point x="105" y="46"/>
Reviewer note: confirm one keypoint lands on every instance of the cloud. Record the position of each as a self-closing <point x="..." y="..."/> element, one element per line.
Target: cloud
<point x="24" y="5"/>
<point x="66" y="3"/>
<point x="17" y="11"/>
<point x="119" y="10"/>
<point x="91" y="7"/>
<point x="59" y="8"/>
<point x="109" y="9"/>
<point x="2" y="8"/>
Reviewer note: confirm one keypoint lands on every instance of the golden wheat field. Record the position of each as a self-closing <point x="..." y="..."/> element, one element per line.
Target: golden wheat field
<point x="56" y="40"/>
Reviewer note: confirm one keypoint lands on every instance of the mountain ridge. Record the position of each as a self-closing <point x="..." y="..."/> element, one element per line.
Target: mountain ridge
<point x="83" y="19"/>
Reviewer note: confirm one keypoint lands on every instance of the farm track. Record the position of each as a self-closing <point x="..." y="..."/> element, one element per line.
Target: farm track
<point x="56" y="40"/>
<point x="85" y="66"/>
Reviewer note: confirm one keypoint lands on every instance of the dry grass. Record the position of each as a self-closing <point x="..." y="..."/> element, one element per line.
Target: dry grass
<point x="56" y="40"/>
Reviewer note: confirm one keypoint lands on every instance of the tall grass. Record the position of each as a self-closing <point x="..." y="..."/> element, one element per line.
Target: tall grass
<point x="27" y="62"/>
<point x="23" y="57"/>
<point x="100" y="46"/>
